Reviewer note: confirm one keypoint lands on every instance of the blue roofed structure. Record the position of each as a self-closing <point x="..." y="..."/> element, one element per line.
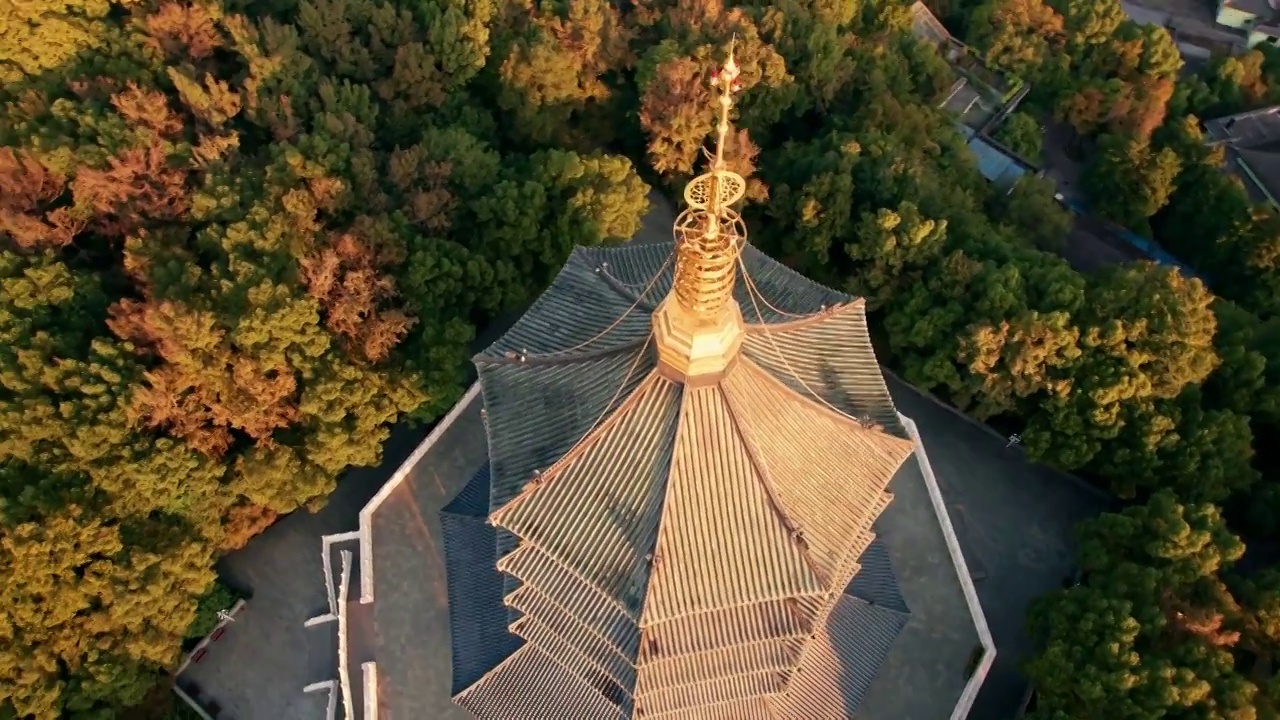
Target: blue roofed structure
<point x="998" y="165"/>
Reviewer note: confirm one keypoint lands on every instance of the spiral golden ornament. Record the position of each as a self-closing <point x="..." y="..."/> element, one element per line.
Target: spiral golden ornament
<point x="707" y="248"/>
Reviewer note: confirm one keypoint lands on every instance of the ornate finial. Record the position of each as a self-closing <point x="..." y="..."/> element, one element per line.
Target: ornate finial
<point x="698" y="329"/>
<point x="709" y="234"/>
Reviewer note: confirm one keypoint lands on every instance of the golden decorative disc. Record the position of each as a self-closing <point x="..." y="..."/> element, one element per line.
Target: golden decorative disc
<point x="731" y="185"/>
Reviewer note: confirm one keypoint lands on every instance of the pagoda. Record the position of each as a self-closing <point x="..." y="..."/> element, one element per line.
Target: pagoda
<point x="689" y="445"/>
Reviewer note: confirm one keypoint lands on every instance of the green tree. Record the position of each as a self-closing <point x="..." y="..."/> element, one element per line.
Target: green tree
<point x="553" y="72"/>
<point x="812" y="204"/>
<point x="1244" y="380"/>
<point x="1235" y="84"/>
<point x="46" y="35"/>
<point x="1148" y="633"/>
<point x="1211" y="223"/>
<point x="1022" y="134"/>
<point x="1017" y="35"/>
<point x="891" y="249"/>
<point x="69" y="580"/>
<point x="810" y="36"/>
<point x="1202" y="454"/>
<point x="1129" y="180"/>
<point x="1088" y="664"/>
<point x="991" y="336"/>
<point x="1034" y="212"/>
<point x="1146" y="333"/>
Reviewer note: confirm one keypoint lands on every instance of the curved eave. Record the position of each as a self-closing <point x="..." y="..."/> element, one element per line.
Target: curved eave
<point x="828" y="357"/>
<point x="574" y="345"/>
<point x="588" y="307"/>
<point x="539" y="409"/>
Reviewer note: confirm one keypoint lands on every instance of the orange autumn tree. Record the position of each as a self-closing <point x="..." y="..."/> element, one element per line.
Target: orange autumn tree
<point x="167" y="385"/>
<point x="27" y="188"/>
<point x="344" y="277"/>
<point x="204" y="388"/>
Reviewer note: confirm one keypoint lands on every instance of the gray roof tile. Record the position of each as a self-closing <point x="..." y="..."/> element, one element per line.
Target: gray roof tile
<point x="875" y="581"/>
<point x="847" y="655"/>
<point x="473" y="501"/>
<point x="669" y="549"/>
<point x="477" y="617"/>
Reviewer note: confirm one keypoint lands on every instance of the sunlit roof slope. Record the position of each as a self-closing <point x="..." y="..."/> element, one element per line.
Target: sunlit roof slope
<point x="674" y="550"/>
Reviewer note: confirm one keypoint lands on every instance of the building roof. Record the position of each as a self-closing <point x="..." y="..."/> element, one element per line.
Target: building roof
<point x="1261" y="166"/>
<point x="1253" y="149"/>
<point x="855" y="639"/>
<point x="689" y="446"/>
<point x="996" y="163"/>
<point x="926" y="26"/>
<point x="1259" y="8"/>
<point x="419" y="596"/>
<point x="652" y="532"/>
<point x="1247" y="129"/>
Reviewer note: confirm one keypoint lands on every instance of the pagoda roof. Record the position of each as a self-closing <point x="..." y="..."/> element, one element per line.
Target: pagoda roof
<point x="673" y="550"/>
<point x="854" y="641"/>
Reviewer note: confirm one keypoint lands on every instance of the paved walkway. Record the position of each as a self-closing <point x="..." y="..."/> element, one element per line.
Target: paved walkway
<point x="1014" y="520"/>
<point x="257" y="670"/>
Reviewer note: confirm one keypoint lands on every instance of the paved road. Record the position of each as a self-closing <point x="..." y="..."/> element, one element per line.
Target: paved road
<point x="1090" y="246"/>
<point x="1014" y="521"/>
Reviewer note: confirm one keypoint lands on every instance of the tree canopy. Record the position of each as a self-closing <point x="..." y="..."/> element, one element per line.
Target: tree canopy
<point x="239" y="241"/>
<point x="236" y="249"/>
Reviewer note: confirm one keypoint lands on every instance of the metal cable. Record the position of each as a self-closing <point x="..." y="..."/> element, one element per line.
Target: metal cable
<point x="613" y="325"/>
<point x="764" y="326"/>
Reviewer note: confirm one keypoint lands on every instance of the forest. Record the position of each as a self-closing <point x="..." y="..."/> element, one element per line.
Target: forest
<point x="240" y="240"/>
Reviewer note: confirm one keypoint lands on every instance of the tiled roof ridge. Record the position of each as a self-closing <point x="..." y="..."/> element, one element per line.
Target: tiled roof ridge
<point x="762" y="472"/>
<point x="790" y="273"/>
<point x="520" y="656"/>
<point x="594" y="436"/>
<point x="596" y="299"/>
<point x="817" y="404"/>
<point x="735" y="420"/>
<point x="766" y="529"/>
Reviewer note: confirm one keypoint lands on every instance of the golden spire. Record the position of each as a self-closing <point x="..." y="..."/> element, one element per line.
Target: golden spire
<point x="698" y="327"/>
<point x="709" y="234"/>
